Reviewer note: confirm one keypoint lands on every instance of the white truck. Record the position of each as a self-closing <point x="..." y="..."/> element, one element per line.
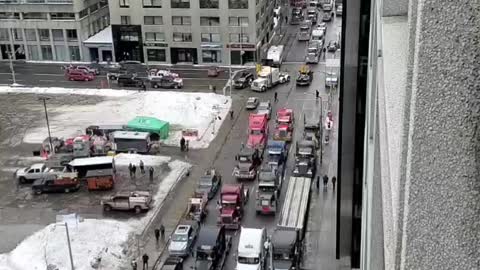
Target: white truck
<point x="305" y="31"/>
<point x="275" y="55"/>
<point x="317" y="34"/>
<point x="127" y="200"/>
<point x="267" y="78"/>
<point x="252" y="249"/>
<point x="41" y="170"/>
<point x="313" y="52"/>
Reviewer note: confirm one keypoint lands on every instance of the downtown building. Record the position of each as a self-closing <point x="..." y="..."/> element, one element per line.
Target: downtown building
<point x="51" y="30"/>
<point x="191" y="31"/>
<point x="409" y="144"/>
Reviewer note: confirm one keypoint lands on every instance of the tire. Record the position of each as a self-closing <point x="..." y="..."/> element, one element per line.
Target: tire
<point x="264" y="89"/>
<point x="67" y="190"/>
<point x="22" y="180"/>
<point x="71" y="79"/>
<point x="86" y="79"/>
<point x="282" y="81"/>
<point x="175" y="86"/>
<point x="38" y="191"/>
<point x="155" y="86"/>
<point x="107" y="208"/>
<point x="137" y="209"/>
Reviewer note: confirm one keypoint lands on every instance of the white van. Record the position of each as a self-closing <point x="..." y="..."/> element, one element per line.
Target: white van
<point x="251" y="249"/>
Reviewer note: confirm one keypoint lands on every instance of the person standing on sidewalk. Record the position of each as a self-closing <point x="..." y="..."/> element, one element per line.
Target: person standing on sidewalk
<point x="275" y="97"/>
<point x="150" y="172"/>
<point x="130" y="169"/>
<point x="162" y="232"/>
<point x="145" y="261"/>
<point x="142" y="167"/>
<point x="134" y="264"/>
<point x="318" y="182"/>
<point x="134" y="170"/>
<point x="325" y="181"/>
<point x="334" y="179"/>
<point x="317" y="94"/>
<point x="157" y="235"/>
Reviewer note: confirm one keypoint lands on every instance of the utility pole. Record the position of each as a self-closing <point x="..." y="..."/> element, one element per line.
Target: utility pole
<point x="44" y="99"/>
<point x="10" y="58"/>
<point x="69" y="247"/>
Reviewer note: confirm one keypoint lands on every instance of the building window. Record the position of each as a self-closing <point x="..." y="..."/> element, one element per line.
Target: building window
<point x="60" y="53"/>
<point x="156" y="55"/>
<point x="57" y="34"/>
<point x="46" y="52"/>
<point x="83" y="13"/>
<point x="125" y="20"/>
<point x="152" y="3"/>
<point x="236" y="38"/>
<point x="153" y="20"/>
<point x="211" y="56"/>
<point x="30" y="35"/>
<point x="124" y="3"/>
<point x="34" y="16"/>
<point x="94" y="8"/>
<point x="17" y="34"/>
<point x="210" y="37"/>
<point x="154" y="36"/>
<point x="74" y="53"/>
<point x="44" y="34"/>
<point x="210" y="21"/>
<point x="33" y="52"/>
<point x="72" y="35"/>
<point x="4" y="34"/>
<point x="182" y="37"/>
<point x="208" y="3"/>
<point x="181" y="20"/>
<point x="129" y="36"/>
<point x="180" y="3"/>
<point x="103" y="3"/>
<point x="62" y="16"/>
<point x="238" y="4"/>
<point x="238" y="21"/>
<point x="9" y="15"/>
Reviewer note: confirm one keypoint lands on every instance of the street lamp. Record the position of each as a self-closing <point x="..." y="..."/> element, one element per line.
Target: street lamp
<point x="44" y="99"/>
<point x="72" y="267"/>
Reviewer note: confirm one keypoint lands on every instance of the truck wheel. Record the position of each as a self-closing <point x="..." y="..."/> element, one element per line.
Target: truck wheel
<point x="138" y="210"/>
<point x="107" y="208"/>
<point x="155" y="86"/>
<point x="38" y="191"/>
<point x="264" y="89"/>
<point x="22" y="180"/>
<point x="67" y="190"/>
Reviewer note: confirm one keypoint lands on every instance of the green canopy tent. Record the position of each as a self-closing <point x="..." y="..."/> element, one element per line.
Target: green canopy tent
<point x="158" y="128"/>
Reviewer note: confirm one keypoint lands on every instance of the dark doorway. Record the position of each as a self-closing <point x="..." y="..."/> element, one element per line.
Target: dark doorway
<point x="128" y="42"/>
<point x="19" y="52"/>
<point x="240" y="59"/>
<point x="5" y="48"/>
<point x="94" y="54"/>
<point x="107" y="56"/>
<point x="184" y="55"/>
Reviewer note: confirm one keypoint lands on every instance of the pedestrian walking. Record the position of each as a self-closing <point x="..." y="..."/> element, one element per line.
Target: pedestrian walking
<point x="162" y="232"/>
<point x="286" y="19"/>
<point x="214" y="89"/>
<point x="318" y="182"/>
<point x="130" y="169"/>
<point x="231" y="114"/>
<point x="317" y="94"/>
<point x="144" y="87"/>
<point x="187" y="144"/>
<point x="334" y="179"/>
<point x="142" y="167"/>
<point x="275" y="97"/>
<point x="182" y="144"/>
<point x="134" y="264"/>
<point x="324" y="53"/>
<point x="325" y="181"/>
<point x="134" y="171"/>
<point x="145" y="261"/>
<point x="157" y="234"/>
<point x="150" y="172"/>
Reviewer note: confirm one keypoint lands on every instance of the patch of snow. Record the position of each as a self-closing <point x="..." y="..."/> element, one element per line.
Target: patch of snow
<point x="91" y="238"/>
<point x="148" y="160"/>
<point x="104" y="36"/>
<point x="181" y="110"/>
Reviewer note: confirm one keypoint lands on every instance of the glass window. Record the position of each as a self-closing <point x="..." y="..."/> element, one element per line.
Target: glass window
<point x="62" y="16"/>
<point x="74" y="53"/>
<point x="4" y="34"/>
<point x="125" y="20"/>
<point x="9" y="15"/>
<point x="236" y="38"/>
<point x="44" y="34"/>
<point x="238" y="21"/>
<point x="93" y="8"/>
<point x="182" y="37"/>
<point x="155" y="36"/>
<point x="129" y="36"/>
<point x="17" y="34"/>
<point x="181" y="20"/>
<point x="238" y="4"/>
<point x="153" y="20"/>
<point x="57" y="34"/>
<point x="60" y="53"/>
<point x="157" y="55"/>
<point x="33" y="52"/>
<point x="30" y="35"/>
<point x="209" y="37"/>
<point x="211" y="56"/>
<point x="152" y="3"/>
<point x="46" y="52"/>
<point x="210" y="21"/>
<point x="208" y="3"/>
<point x="72" y="35"/>
<point x="34" y="16"/>
<point x="180" y="3"/>
<point x="124" y="3"/>
<point x="83" y="13"/>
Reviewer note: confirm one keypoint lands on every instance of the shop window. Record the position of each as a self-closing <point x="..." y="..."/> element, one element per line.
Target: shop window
<point x="46" y="52"/>
<point x="33" y="52"/>
<point x="74" y="53"/>
<point x="129" y="36"/>
<point x="156" y="55"/>
<point x="211" y="56"/>
<point x="60" y="53"/>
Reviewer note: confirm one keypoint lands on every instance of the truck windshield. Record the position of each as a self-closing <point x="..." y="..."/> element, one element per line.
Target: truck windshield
<point x="246" y="260"/>
<point x="256" y="132"/>
<point x="243" y="159"/>
<point x="312" y="50"/>
<point x="304" y="29"/>
<point x="204" y="255"/>
<point x="266" y="188"/>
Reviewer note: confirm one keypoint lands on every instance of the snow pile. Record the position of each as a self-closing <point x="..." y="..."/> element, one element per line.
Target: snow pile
<point x="96" y="243"/>
<point x="181" y="110"/>
<point x="148" y="160"/>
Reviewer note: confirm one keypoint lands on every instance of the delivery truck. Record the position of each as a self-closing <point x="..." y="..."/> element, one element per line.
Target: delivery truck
<point x="267" y="78"/>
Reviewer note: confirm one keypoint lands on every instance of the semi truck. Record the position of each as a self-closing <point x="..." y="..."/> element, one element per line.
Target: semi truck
<point x="257" y="131"/>
<point x="268" y="77"/>
<point x="275" y="55"/>
<point x="305" y="31"/>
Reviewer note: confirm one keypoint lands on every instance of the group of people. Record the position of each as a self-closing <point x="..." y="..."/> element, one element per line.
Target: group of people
<point x="325" y="181"/>
<point x="159" y="232"/>
<point x="133" y="170"/>
<point x="183" y="145"/>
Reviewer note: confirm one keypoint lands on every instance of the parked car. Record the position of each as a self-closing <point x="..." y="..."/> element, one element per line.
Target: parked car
<point x="183" y="238"/>
<point x="79" y="75"/>
<point x="252" y="103"/>
<point x="332" y="46"/>
<point x="284" y="77"/>
<point x="52" y="183"/>
<point x="265" y="107"/>
<point x="168" y="82"/>
<point x="209" y="183"/>
<point x="129" y="80"/>
<point x="339" y="10"/>
<point x="127" y="200"/>
<point x="87" y="69"/>
<point x="331" y="80"/>
<point x="327" y="17"/>
<point x="244" y="80"/>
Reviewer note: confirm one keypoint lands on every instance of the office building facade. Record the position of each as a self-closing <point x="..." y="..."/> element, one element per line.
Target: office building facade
<point x="191" y="31"/>
<point x="50" y="30"/>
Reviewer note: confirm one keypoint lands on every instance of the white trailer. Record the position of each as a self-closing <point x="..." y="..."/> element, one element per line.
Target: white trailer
<point x="295" y="207"/>
<point x="305" y="31"/>
<point x="267" y="78"/>
<point x="275" y="54"/>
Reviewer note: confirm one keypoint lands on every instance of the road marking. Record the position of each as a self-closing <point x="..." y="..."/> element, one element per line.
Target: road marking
<point x="47" y="80"/>
<point x="40" y="74"/>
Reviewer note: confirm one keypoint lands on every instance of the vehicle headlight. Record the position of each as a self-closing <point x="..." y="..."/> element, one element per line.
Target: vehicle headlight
<point x="296" y="170"/>
<point x="252" y="172"/>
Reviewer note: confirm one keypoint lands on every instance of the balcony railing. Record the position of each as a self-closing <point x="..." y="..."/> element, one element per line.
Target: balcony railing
<point x="36" y="1"/>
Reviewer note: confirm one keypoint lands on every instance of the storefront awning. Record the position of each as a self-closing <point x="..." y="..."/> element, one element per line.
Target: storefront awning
<point x="100" y="39"/>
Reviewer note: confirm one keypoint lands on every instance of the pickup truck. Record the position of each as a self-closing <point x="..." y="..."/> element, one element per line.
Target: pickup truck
<point x="128" y="200"/>
<point x="53" y="183"/>
<point x="40" y="171"/>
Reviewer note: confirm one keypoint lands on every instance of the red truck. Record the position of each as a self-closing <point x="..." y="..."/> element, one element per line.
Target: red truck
<point x="257" y="131"/>
<point x="232" y="200"/>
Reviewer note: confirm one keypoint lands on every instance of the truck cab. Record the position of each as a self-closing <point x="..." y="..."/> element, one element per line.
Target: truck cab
<point x="313" y="52"/>
<point x="197" y="207"/>
<point x="305" y="76"/>
<point x="268" y="190"/>
<point x="305" y="159"/>
<point x="285" y="117"/>
<point x="232" y="201"/>
<point x="247" y="162"/>
<point x="257" y="131"/>
<point x="277" y="155"/>
<point x="213" y="246"/>
<point x="286" y="249"/>
<point x="251" y="249"/>
<point x="267" y="78"/>
<point x="305" y="31"/>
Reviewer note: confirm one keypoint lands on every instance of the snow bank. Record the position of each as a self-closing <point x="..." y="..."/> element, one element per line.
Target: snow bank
<point x="181" y="110"/>
<point x="91" y="238"/>
<point x="148" y="160"/>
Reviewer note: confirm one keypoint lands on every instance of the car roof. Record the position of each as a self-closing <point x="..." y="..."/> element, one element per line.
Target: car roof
<point x="252" y="98"/>
<point x="37" y="166"/>
<point x="264" y="103"/>
<point x="182" y="229"/>
<point x="208" y="236"/>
